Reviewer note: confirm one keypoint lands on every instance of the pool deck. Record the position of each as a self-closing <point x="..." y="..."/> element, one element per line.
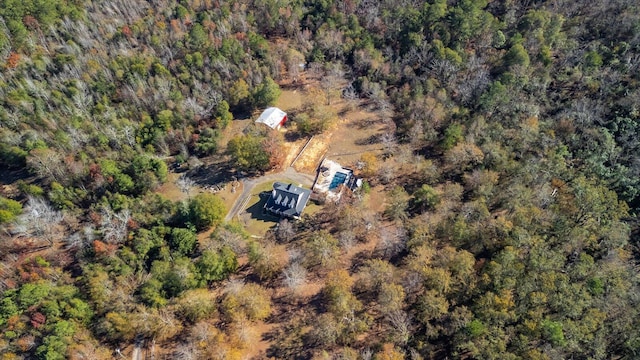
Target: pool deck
<point x="325" y="182"/>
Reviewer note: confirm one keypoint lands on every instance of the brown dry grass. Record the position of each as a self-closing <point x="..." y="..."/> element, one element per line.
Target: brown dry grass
<point x="291" y="99"/>
<point x="310" y="159"/>
<point x="170" y="190"/>
<point x="345" y="140"/>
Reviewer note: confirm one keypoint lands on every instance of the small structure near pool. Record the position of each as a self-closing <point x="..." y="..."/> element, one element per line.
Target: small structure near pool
<point x="287" y="200"/>
<point x="332" y="179"/>
<point x="273" y="118"/>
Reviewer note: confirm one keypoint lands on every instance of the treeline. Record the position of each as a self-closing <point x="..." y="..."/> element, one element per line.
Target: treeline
<point x="511" y="174"/>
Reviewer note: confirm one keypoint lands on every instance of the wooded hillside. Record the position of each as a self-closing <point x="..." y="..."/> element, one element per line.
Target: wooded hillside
<point x="499" y="220"/>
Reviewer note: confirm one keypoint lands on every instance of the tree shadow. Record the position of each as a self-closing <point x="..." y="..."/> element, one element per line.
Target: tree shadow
<point x="287" y="342"/>
<point x="214" y="173"/>
<point x="359" y="259"/>
<point x="364" y="123"/>
<point x="12" y="176"/>
<point x="371" y="140"/>
<point x="292" y="136"/>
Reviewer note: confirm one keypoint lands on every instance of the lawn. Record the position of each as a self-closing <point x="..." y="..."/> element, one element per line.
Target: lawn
<point x="255" y="221"/>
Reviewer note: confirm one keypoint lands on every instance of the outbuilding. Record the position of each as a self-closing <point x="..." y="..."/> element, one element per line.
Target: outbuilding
<point x="273" y="118"/>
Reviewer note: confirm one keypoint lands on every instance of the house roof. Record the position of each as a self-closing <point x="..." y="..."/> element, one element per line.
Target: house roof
<point x="287" y="200"/>
<point x="272" y="117"/>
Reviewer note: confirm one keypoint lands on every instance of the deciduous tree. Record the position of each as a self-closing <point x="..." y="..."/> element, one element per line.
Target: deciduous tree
<point x="249" y="153"/>
<point x="206" y="210"/>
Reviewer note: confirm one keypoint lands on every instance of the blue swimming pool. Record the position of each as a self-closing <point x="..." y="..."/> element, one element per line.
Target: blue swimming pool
<point x="338" y="179"/>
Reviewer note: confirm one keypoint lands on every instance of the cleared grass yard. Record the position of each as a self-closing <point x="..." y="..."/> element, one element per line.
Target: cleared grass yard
<point x="252" y="217"/>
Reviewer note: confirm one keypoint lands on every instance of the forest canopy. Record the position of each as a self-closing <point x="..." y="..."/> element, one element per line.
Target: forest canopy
<point x="498" y="220"/>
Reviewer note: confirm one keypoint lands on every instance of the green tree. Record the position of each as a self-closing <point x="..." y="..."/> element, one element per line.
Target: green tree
<point x="196" y="305"/>
<point x="250" y="301"/>
<point x="553" y="332"/>
<point x="164" y="119"/>
<point x="239" y="94"/>
<point x="152" y="294"/>
<point x="249" y="153"/>
<point x="206" y="210"/>
<point x="54" y="346"/>
<point x="180" y="276"/>
<point x="183" y="241"/>
<point x="517" y="55"/>
<point x="266" y="93"/>
<point x="321" y="249"/>
<point x="426" y="197"/>
<point x="452" y="136"/>
<point x="9" y="209"/>
<point x="31" y="294"/>
<point x="391" y="298"/>
<point x="13" y="157"/>
<point x="207" y="142"/>
<point x="593" y="61"/>
<point x="398" y="204"/>
<point x="197" y="36"/>
<point x="216" y="265"/>
<point x="222" y="115"/>
<point x="267" y="259"/>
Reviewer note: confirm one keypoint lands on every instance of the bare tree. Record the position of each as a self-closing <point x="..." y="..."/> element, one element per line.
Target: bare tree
<point x="392" y="241"/>
<point x="389" y="142"/>
<point x="243" y="333"/>
<point x="234" y="287"/>
<point x="387" y="172"/>
<point x="6" y="46"/>
<point x="347" y="239"/>
<point x="114" y="225"/>
<point x="285" y="232"/>
<point x="82" y="239"/>
<point x="400" y="326"/>
<point x="295" y="255"/>
<point x="331" y="82"/>
<point x="47" y="164"/>
<point x="201" y="332"/>
<point x="444" y="70"/>
<point x="185" y="184"/>
<point x="186" y="351"/>
<point x="267" y="259"/>
<point x="225" y="237"/>
<point x="294" y="61"/>
<point x="295" y="275"/>
<point x="40" y="220"/>
<point x="315" y="69"/>
<point x="366" y="354"/>
<point x="350" y="94"/>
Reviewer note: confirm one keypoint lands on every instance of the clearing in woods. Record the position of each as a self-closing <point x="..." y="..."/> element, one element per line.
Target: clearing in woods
<point x="171" y="191"/>
<point x="356" y="131"/>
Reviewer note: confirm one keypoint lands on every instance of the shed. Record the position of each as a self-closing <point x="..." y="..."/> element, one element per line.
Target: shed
<point x="273" y="118"/>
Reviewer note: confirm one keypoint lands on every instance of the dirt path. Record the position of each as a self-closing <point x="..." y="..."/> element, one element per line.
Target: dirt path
<point x="249" y="184"/>
<point x="137" y="350"/>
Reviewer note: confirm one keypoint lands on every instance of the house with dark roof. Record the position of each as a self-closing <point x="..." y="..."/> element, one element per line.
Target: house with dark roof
<point x="287" y="200"/>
